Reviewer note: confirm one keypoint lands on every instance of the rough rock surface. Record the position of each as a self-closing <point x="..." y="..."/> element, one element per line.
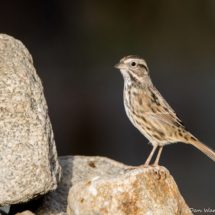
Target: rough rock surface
<point x="74" y="170"/>
<point x="28" y="159"/>
<point x="99" y="186"/>
<point x="140" y="191"/>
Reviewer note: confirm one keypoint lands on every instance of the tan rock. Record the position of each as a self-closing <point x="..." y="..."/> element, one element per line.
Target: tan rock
<point x="28" y="159"/>
<point x="138" y="192"/>
<point x="76" y="169"/>
<point x="99" y="186"/>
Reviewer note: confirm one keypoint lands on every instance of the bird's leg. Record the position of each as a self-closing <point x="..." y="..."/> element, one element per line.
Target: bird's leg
<point x="158" y="156"/>
<point x="150" y="156"/>
<point x="147" y="161"/>
<point x="159" y="168"/>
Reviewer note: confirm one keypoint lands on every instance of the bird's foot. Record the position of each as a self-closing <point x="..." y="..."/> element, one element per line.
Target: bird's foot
<point x="137" y="167"/>
<point x="159" y="171"/>
<point x="162" y="171"/>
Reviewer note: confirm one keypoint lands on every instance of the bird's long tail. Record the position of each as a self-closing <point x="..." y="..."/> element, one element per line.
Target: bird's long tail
<point x="205" y="149"/>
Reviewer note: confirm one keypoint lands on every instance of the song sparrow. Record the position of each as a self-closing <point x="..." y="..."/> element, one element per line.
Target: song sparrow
<point x="150" y="113"/>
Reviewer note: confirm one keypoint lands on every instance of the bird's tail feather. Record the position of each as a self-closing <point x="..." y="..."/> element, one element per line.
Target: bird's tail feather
<point x="205" y="149"/>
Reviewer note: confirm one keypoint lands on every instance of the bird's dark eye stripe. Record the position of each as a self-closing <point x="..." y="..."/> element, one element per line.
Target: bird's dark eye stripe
<point x="142" y="65"/>
<point x="132" y="77"/>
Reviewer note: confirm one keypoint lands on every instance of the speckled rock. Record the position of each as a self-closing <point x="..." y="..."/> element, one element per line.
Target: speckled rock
<point x="97" y="182"/>
<point x="74" y="170"/>
<point x="28" y="159"/>
<point x="137" y="192"/>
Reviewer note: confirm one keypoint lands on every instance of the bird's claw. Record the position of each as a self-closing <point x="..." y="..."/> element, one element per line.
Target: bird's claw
<point x="162" y="171"/>
<point x="129" y="169"/>
<point x="159" y="171"/>
<point x="136" y="167"/>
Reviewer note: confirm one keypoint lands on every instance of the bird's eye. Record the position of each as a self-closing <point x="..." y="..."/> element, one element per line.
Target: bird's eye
<point x="133" y="64"/>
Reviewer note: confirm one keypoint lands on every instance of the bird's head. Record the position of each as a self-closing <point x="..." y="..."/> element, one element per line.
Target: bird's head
<point x="133" y="68"/>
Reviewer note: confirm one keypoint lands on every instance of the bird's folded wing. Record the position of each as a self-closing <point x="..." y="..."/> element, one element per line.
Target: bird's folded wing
<point x="162" y="111"/>
<point x="167" y="118"/>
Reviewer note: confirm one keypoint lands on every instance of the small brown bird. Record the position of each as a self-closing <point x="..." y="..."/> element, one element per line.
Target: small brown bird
<point x="150" y="113"/>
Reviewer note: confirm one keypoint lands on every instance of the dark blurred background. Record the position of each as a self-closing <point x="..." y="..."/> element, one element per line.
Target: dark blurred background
<point x="75" y="45"/>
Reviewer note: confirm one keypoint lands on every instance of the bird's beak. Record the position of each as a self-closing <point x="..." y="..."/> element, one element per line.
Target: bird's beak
<point x="120" y="65"/>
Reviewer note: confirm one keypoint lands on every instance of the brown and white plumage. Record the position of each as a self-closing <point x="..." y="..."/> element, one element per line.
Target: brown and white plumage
<point x="148" y="110"/>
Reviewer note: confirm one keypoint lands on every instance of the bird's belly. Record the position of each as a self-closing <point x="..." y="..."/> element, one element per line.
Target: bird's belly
<point x="152" y="131"/>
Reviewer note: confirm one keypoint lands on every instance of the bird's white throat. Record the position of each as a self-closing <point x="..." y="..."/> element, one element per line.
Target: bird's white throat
<point x="126" y="76"/>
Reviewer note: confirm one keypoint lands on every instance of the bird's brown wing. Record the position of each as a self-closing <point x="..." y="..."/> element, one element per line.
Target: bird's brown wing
<point x="161" y="110"/>
<point x="166" y="118"/>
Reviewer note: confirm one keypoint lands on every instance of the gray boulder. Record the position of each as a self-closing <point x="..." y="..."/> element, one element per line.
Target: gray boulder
<point x="28" y="159"/>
